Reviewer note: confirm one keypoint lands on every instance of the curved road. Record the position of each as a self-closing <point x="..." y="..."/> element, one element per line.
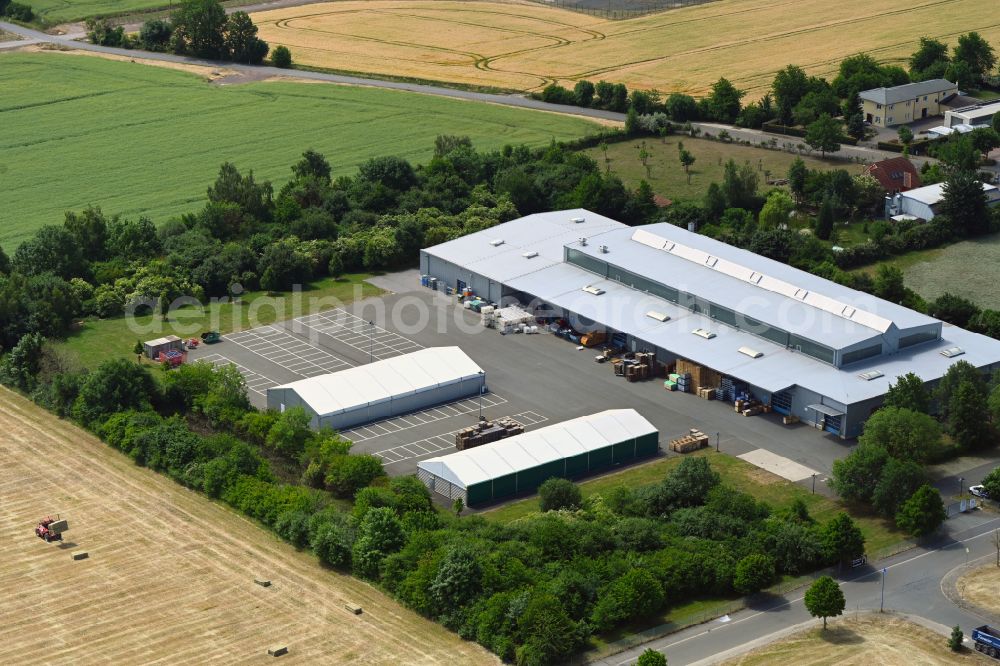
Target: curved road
<point x="913" y="586"/>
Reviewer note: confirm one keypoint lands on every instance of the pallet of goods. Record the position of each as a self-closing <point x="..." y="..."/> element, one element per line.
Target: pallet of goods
<point x="694" y="440"/>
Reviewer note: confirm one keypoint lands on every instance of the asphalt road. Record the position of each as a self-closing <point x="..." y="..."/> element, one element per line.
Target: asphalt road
<point x="912" y="586"/>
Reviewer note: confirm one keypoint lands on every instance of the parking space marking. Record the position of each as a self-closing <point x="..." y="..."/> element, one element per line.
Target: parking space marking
<point x="255" y="382"/>
<point x="353" y="331"/>
<point x="400" y="423"/>
<point x="288" y="351"/>
<point x="442" y="443"/>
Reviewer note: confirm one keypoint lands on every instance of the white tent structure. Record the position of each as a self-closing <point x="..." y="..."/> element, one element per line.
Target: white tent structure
<point x="383" y="389"/>
<point x="521" y="463"/>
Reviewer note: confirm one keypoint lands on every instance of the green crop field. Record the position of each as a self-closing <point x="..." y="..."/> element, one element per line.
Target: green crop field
<point x="59" y="11"/>
<point x="143" y="140"/>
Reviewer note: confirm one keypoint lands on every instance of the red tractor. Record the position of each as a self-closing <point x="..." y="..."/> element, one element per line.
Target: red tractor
<point x="51" y="529"/>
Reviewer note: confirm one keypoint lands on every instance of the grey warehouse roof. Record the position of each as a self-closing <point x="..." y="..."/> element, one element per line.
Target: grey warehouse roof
<point x="906" y="91"/>
<point x="625" y="309"/>
<point x="538" y="447"/>
<point x="499" y="252"/>
<point x="381" y="381"/>
<point x="755" y="286"/>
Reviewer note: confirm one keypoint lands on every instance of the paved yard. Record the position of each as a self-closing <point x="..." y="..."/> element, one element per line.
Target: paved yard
<point x="538" y="379"/>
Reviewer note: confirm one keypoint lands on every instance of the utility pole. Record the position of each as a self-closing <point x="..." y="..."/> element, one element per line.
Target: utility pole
<point x="814" y="483"/>
<point x="716" y="442"/>
<point x="881" y="603"/>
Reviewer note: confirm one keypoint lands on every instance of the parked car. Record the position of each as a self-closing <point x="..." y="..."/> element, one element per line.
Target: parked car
<point x="979" y="491"/>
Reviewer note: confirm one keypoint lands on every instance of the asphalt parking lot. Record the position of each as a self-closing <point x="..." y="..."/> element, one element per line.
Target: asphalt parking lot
<point x="539" y="379"/>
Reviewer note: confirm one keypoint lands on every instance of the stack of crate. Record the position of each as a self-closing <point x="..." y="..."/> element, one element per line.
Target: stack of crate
<point x="694" y="440"/>
<point x="700" y="375"/>
<point x="485" y="432"/>
<point x="706" y="393"/>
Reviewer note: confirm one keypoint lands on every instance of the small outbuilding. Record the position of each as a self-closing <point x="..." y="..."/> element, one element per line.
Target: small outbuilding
<point x="153" y="348"/>
<point x="521" y="463"/>
<point x="383" y="389"/>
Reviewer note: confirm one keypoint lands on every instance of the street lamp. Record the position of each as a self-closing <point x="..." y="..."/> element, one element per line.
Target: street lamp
<point x="961" y="487"/>
<point x="814" y="483"/>
<point x="482" y="386"/>
<point x="716" y="442"/>
<point x="371" y="340"/>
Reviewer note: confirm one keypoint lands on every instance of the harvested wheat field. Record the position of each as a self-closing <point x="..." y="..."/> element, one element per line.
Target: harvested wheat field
<point x="170" y="576"/>
<point x="981" y="587"/>
<point x="526" y="46"/>
<point x="867" y="639"/>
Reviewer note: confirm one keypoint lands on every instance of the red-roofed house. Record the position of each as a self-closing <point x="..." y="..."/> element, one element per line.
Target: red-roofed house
<point x="896" y="174"/>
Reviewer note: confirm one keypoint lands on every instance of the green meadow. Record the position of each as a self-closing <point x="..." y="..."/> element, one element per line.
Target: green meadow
<point x="143" y="140"/>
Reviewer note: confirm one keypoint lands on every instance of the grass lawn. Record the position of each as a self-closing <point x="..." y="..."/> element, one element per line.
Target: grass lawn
<point x="98" y="340"/>
<point x="735" y="473"/>
<point x="59" y="11"/>
<point x="868" y="638"/>
<point x="143" y="140"/>
<point x="667" y="177"/>
<point x="931" y="273"/>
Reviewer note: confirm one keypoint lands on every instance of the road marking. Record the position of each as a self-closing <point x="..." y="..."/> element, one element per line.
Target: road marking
<point x="422" y="417"/>
<point x="439" y="443"/>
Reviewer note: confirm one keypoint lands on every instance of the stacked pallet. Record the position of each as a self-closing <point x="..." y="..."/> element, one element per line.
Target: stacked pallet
<point x="790" y="419"/>
<point x="485" y="432"/>
<point x="694" y="440"/>
<point x="706" y="393"/>
<point x="700" y="375"/>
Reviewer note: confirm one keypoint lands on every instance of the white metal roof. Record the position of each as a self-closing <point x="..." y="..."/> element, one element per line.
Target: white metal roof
<point x="932" y="194"/>
<point x="382" y="381"/>
<point x="531" y="449"/>
<point x="544" y="233"/>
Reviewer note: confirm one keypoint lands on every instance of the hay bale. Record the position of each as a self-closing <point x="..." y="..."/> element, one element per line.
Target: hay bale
<point x="354" y="608"/>
<point x="263" y="582"/>
<point x="278" y="650"/>
<point x="79" y="555"/>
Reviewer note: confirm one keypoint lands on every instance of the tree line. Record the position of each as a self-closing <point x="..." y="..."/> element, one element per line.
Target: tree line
<point x="200" y="28"/>
<point x="887" y="468"/>
<point x="533" y="591"/>
<point x="796" y="99"/>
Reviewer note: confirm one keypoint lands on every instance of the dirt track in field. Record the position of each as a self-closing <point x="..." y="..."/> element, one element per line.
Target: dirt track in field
<point x="170" y="574"/>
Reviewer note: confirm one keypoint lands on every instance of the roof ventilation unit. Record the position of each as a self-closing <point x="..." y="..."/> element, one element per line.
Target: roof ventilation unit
<point x="596" y="291"/>
<point x="870" y="375"/>
<point x="583" y="241"/>
<point x="604" y="249"/>
<point x="530" y="254"/>
<point x="579" y="220"/>
<point x="708" y="335"/>
<point x="658" y="316"/>
<point x="496" y="242"/>
<point x="952" y="352"/>
<point x="752" y="353"/>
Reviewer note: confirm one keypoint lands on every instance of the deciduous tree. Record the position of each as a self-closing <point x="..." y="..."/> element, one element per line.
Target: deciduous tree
<point x="824" y="135"/>
<point x="923" y="513"/>
<point x="556" y="493"/>
<point x="824" y="599"/>
<point x="904" y="433"/>
<point x="842" y="539"/>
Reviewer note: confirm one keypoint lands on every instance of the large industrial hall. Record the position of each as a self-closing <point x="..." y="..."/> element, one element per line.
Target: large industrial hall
<point x="803" y="345"/>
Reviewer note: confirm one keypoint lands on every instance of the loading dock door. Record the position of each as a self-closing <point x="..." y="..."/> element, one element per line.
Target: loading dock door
<point x="827" y="418"/>
<point x="781" y="402"/>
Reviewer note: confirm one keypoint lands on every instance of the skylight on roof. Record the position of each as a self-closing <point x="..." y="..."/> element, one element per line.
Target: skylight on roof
<point x="658" y="316"/>
<point x="708" y="335"/>
<point x="596" y="291"/>
<point x="752" y="353"/>
<point x="530" y="254"/>
<point x="952" y="352"/>
<point x="870" y="375"/>
<point x="496" y="242"/>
